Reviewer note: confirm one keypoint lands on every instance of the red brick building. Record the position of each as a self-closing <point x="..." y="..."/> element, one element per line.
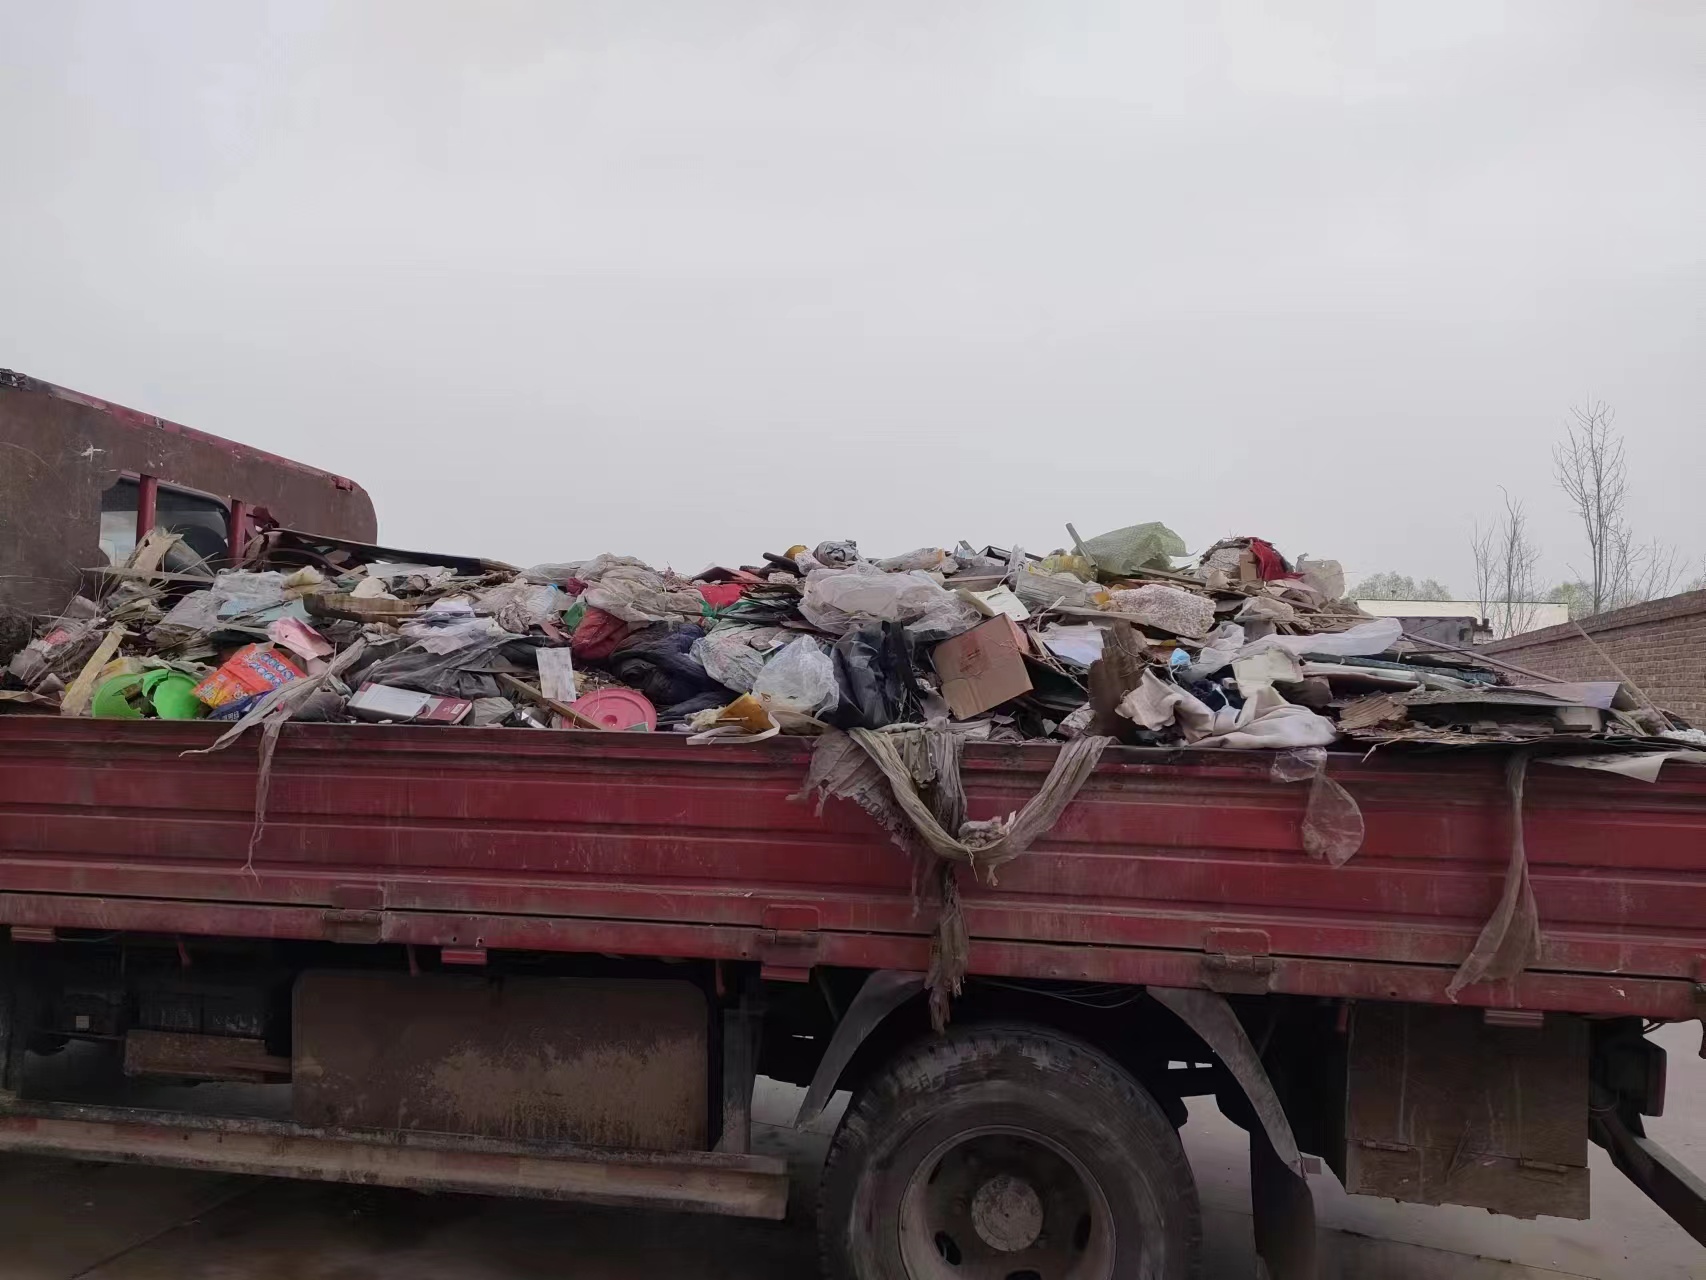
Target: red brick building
<point x="1660" y="645"/>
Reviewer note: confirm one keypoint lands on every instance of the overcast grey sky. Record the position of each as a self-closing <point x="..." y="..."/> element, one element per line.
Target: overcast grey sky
<point x="691" y="281"/>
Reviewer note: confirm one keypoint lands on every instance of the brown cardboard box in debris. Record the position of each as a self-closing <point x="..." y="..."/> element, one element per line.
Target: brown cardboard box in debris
<point x="984" y="667"/>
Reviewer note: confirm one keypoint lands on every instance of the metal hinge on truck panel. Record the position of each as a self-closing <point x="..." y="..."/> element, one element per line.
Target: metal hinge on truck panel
<point x="788" y="945"/>
<point x="356" y="914"/>
<point x="358" y="927"/>
<point x="1237" y="961"/>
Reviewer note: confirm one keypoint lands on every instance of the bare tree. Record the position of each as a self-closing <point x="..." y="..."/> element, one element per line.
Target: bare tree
<point x="1590" y="469"/>
<point x="1505" y="561"/>
<point x="1642" y="571"/>
<point x="1481" y="544"/>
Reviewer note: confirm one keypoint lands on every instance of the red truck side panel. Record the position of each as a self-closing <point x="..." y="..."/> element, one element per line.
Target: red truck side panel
<point x="1175" y="867"/>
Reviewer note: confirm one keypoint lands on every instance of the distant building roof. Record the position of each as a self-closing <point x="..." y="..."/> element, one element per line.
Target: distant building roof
<point x="1530" y="615"/>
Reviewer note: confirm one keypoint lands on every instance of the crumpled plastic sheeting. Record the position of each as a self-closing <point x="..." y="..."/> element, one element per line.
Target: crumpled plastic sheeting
<point x="1510" y="940"/>
<point x="728" y="657"/>
<point x="520" y="605"/>
<point x="241" y="592"/>
<point x="839" y="600"/>
<point x="594" y="569"/>
<point x="1361" y="641"/>
<point x="450" y="625"/>
<point x="1139" y="546"/>
<point x="196" y="614"/>
<point x="931" y="559"/>
<point x="1184" y="613"/>
<point x="1643" y="767"/>
<point x="800" y="680"/>
<point x="1332" y="820"/>
<point x="638" y="594"/>
<point x="462" y="673"/>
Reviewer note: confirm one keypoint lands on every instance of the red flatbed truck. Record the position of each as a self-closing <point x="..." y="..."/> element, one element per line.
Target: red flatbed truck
<point x="552" y="963"/>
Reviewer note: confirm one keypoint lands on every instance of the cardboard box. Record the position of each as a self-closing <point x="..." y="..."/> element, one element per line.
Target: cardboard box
<point x="255" y="668"/>
<point x="983" y="668"/>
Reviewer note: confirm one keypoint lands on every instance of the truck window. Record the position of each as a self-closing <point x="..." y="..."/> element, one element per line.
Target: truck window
<point x="201" y="521"/>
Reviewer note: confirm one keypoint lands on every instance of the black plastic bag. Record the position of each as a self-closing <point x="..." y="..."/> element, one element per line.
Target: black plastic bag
<point x="657" y="661"/>
<point x="873" y="667"/>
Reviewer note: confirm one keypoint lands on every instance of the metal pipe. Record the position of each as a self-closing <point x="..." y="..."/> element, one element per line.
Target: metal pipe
<point x="147" y="499"/>
<point x="237" y="531"/>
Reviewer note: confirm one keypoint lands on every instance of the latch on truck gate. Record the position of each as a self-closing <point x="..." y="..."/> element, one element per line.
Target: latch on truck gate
<point x="788" y="945"/>
<point x="1237" y="961"/>
<point x="355" y="914"/>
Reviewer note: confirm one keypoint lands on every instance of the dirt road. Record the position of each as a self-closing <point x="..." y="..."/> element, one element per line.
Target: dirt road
<point x="62" y="1221"/>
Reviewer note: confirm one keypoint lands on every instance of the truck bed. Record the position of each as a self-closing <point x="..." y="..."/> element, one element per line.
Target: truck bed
<point x="1172" y="867"/>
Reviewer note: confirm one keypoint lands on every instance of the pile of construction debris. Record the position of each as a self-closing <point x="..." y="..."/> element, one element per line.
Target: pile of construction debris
<point x="1124" y="636"/>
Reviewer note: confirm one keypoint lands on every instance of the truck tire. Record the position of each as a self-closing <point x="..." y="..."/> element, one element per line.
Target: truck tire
<point x="1007" y="1153"/>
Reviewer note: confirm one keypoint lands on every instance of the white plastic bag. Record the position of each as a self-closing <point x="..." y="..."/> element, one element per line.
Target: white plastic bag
<point x="800" y="679"/>
<point x="839" y="600"/>
<point x="930" y="559"/>
<point x="728" y="658"/>
<point x="1364" y="640"/>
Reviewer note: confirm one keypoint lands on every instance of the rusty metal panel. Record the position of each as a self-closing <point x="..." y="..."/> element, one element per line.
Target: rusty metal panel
<point x="1443" y="1108"/>
<point x="603" y="1063"/>
<point x="186" y="1056"/>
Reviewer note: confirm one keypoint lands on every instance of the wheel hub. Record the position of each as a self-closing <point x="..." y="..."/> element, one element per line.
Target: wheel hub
<point x="1004" y="1203"/>
<point x="1007" y="1213"/>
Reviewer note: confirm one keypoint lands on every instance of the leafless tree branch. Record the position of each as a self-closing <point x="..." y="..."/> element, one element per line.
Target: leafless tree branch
<point x="1505" y="563"/>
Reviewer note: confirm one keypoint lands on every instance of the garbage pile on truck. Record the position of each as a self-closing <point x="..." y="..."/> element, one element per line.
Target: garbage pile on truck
<point x="1124" y="635"/>
<point x="892" y="663"/>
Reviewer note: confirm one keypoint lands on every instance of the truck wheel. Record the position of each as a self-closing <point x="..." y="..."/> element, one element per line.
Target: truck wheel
<point x="1007" y="1153"/>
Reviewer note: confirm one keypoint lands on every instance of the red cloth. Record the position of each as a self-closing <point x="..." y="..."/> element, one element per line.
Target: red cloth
<point x="598" y="634"/>
<point x="1269" y="562"/>
<point x="720" y="595"/>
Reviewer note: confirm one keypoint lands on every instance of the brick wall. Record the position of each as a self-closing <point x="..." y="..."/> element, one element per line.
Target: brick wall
<point x="1661" y="646"/>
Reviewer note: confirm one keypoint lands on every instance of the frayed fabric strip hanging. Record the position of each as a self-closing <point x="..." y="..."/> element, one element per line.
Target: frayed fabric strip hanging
<point x="909" y="781"/>
<point x="1510" y="940"/>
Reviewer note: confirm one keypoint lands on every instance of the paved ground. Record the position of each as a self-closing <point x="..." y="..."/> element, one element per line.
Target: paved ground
<point x="61" y="1221"/>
